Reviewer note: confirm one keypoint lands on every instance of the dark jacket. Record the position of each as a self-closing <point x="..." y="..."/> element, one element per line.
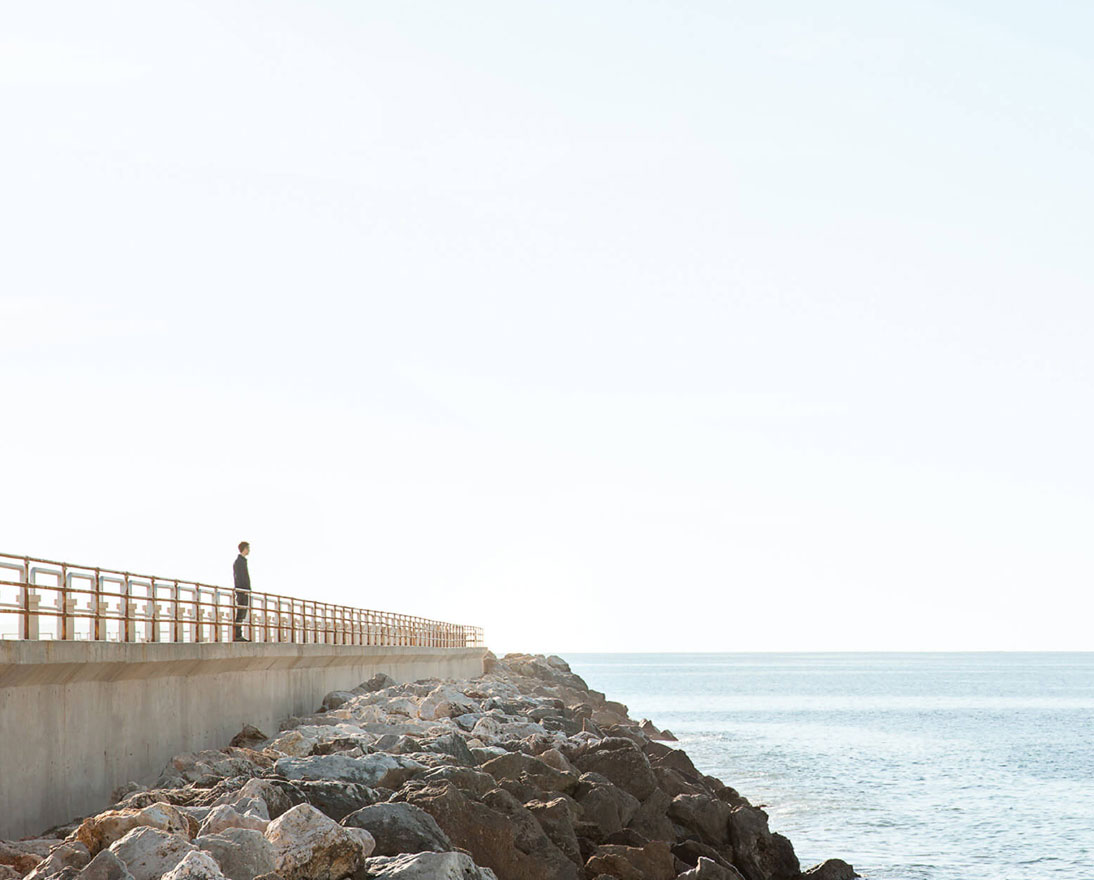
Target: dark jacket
<point x="242" y="576"/>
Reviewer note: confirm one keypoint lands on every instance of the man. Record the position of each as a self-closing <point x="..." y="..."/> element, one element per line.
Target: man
<point x="243" y="588"/>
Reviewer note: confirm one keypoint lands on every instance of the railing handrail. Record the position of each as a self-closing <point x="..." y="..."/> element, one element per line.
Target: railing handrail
<point x="170" y="618"/>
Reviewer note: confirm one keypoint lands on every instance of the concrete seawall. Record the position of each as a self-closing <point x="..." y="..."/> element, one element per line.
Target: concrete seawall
<point x="79" y="718"/>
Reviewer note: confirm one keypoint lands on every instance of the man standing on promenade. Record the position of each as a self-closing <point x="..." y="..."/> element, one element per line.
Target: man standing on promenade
<point x="243" y="588"/>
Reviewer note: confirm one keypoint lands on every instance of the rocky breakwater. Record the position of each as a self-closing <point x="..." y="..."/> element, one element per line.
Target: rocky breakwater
<point x="523" y="774"/>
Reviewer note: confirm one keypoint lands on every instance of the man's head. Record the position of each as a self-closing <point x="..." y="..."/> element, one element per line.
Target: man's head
<point x="244" y="548"/>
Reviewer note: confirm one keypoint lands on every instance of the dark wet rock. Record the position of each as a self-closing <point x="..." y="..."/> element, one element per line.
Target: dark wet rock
<point x="833" y="869"/>
<point x="556" y="818"/>
<point x="400" y="828"/>
<point x="690" y="851"/>
<point x="704" y="815"/>
<point x="757" y="853"/>
<point x="651" y="820"/>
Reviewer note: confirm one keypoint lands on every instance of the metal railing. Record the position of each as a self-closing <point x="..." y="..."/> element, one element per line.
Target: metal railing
<point x="43" y="599"/>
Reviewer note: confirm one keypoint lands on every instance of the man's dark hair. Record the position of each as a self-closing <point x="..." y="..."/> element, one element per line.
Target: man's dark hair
<point x="244" y="545"/>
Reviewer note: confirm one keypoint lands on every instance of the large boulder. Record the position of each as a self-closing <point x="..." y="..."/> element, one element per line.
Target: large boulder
<point x="337" y="799"/>
<point x="195" y="865"/>
<point x="15" y="856"/>
<point x="556" y="818"/>
<point x="428" y="866"/>
<point x="400" y="828"/>
<point x="622" y="762"/>
<point x="651" y="862"/>
<point x="99" y="832"/>
<point x="213" y="764"/>
<point x="336" y="699"/>
<point x="757" y="853"/>
<point x="651" y="819"/>
<point x="309" y="846"/>
<point x="495" y="839"/>
<point x="276" y="798"/>
<point x="242" y="853"/>
<point x="703" y="815"/>
<point x="374" y="771"/>
<point x="149" y="853"/>
<point x="608" y="807"/>
<point x="378" y="682"/>
<point x="517" y="765"/>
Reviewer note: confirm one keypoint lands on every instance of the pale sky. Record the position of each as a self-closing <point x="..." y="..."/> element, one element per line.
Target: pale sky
<point x="709" y="326"/>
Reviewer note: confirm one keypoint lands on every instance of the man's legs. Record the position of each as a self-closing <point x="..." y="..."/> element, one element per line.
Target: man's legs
<point x="243" y="599"/>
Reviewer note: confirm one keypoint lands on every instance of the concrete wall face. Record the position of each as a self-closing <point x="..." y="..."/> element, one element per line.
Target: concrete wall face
<point x="78" y="719"/>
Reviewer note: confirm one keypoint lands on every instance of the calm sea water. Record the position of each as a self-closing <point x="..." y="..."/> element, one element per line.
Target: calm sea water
<point x="908" y="766"/>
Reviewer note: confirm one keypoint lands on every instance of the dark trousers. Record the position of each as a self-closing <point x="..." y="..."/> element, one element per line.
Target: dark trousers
<point x="243" y="601"/>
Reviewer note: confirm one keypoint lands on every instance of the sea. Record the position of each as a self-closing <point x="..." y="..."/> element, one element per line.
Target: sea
<point x="965" y="766"/>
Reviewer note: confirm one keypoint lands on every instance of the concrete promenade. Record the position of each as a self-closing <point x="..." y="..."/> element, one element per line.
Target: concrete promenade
<point x="79" y="718"/>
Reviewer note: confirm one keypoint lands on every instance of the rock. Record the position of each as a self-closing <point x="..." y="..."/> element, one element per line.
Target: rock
<point x="465" y="779"/>
<point x="294" y="743"/>
<point x="516" y="765"/>
<point x="99" y="832"/>
<point x="214" y="764"/>
<point x="250" y="737"/>
<point x="335" y="700"/>
<point x="556" y="818"/>
<point x="224" y="817"/>
<point x="14" y="856"/>
<point x="149" y="853"/>
<point x="106" y="866"/>
<point x="706" y="816"/>
<point x="70" y="854"/>
<point x="7" y="872"/>
<point x="338" y="799"/>
<point x="374" y="771"/>
<point x="690" y="851"/>
<point x="445" y="701"/>
<point x="428" y="866"/>
<point x="242" y="853"/>
<point x="195" y="865"/>
<point x="651" y="862"/>
<point x="621" y="762"/>
<point x="651" y="820"/>
<point x="378" y="682"/>
<point x="554" y="758"/>
<point x="453" y="745"/>
<point x="757" y="853"/>
<point x="832" y="869"/>
<point x="609" y="807"/>
<point x="491" y="836"/>
<point x="309" y="846"/>
<point x="707" y="869"/>
<point x="400" y="828"/>
<point x="646" y="726"/>
<point x="277" y="800"/>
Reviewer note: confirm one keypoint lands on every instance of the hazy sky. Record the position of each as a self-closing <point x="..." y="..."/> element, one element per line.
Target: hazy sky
<point x="606" y="325"/>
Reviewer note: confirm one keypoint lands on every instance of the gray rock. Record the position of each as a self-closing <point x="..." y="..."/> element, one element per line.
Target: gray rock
<point x="149" y="853"/>
<point x="757" y="853"/>
<point x="378" y="682"/>
<point x="400" y="828"/>
<point x="336" y="699"/>
<point x="195" y="865"/>
<point x="338" y="799"/>
<point x="242" y="853"/>
<point x="379" y="770"/>
<point x="428" y="866"/>
<point x="309" y="846"/>
<point x="451" y="744"/>
<point x="106" y="866"/>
